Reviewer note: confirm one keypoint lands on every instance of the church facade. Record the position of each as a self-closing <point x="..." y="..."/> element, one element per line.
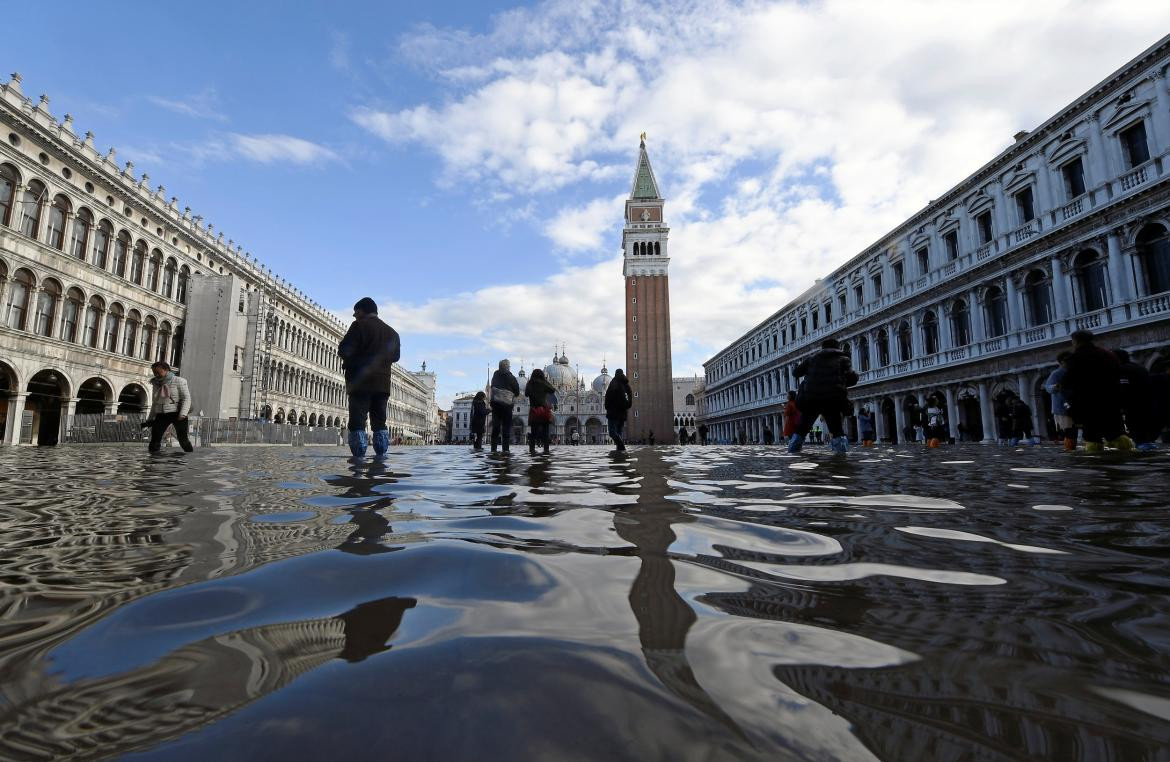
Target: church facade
<point x="647" y="313"/>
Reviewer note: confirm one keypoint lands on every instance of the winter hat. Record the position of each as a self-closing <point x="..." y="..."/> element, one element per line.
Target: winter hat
<point x="367" y="305"/>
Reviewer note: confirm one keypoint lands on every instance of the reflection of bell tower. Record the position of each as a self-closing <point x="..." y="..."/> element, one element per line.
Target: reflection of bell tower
<point x="647" y="307"/>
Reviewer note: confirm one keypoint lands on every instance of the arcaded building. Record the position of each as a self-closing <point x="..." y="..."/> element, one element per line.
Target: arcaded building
<point x="974" y="296"/>
<point x="645" y="265"/>
<point x="101" y="275"/>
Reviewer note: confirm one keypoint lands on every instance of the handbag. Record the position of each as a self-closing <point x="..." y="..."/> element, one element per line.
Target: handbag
<point x="542" y="414"/>
<point x="502" y="396"/>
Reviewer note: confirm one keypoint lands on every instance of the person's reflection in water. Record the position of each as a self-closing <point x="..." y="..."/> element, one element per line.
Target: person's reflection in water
<point x="369" y="625"/>
<point x="664" y="618"/>
<point x="370" y="527"/>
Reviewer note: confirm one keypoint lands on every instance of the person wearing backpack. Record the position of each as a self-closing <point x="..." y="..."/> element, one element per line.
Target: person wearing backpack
<point x="618" y="401"/>
<point x="504" y="389"/>
<point x="826" y="377"/>
<point x="368" y="352"/>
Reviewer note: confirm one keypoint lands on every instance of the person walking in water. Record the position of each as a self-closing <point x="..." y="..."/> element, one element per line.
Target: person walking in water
<point x="368" y="352"/>
<point x="479" y="413"/>
<point x="1092" y="384"/>
<point x="702" y="433"/>
<point x="865" y="427"/>
<point x="791" y="417"/>
<point x="936" y="422"/>
<point x="504" y="389"/>
<point x="618" y="401"/>
<point x="170" y="402"/>
<point x="1021" y="421"/>
<point x="827" y="376"/>
<point x="1054" y="385"/>
<point x="1136" y="401"/>
<point x="540" y="394"/>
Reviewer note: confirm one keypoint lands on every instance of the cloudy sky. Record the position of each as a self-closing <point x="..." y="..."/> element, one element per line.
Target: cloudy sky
<point x="464" y="163"/>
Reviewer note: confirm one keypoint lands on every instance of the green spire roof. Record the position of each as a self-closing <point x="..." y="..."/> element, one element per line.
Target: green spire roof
<point x="644" y="184"/>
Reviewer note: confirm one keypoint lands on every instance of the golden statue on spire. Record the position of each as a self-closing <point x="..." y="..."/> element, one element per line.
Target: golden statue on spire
<point x="643" y="137"/>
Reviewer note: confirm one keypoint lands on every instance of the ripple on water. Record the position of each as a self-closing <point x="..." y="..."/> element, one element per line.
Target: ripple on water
<point x="710" y="536"/>
<point x="896" y="503"/>
<point x="851" y="572"/>
<point x="955" y="534"/>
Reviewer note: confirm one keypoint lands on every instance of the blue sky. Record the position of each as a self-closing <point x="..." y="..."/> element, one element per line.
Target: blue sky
<point x="464" y="162"/>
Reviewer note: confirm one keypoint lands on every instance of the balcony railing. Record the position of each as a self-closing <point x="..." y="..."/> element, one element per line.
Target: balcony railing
<point x="957" y="354"/>
<point x="993" y="345"/>
<point x="1072" y="209"/>
<point x="984" y="252"/>
<point x="1135" y="178"/>
<point x="1025" y="231"/>
<point x="1035" y="334"/>
<point x="1154" y="305"/>
<point x="1092" y="320"/>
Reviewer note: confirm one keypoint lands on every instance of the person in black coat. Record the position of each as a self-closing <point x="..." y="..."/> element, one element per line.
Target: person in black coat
<point x="541" y="400"/>
<point x="1160" y="398"/>
<point x="827" y="375"/>
<point x="479" y="413"/>
<point x="1092" y="386"/>
<point x="1137" y="401"/>
<point x="504" y="390"/>
<point x="618" y="401"/>
<point x="368" y="352"/>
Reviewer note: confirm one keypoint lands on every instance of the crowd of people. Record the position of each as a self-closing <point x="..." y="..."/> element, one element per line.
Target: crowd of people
<point x="1099" y="396"/>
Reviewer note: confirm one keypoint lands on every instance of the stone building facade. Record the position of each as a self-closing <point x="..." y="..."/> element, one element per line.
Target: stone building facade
<point x="101" y="275"/>
<point x="975" y="295"/>
<point x="647" y="297"/>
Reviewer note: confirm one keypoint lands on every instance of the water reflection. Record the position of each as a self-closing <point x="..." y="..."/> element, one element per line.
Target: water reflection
<point x="676" y="603"/>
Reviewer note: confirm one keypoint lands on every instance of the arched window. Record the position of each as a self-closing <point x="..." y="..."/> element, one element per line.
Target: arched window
<point x="113" y="327"/>
<point x="101" y="244"/>
<point x="79" y="237"/>
<point x="154" y="275"/>
<point x="1089" y="273"/>
<point x="130" y="335"/>
<point x="996" y="305"/>
<point x="883" y="348"/>
<point x="905" y="341"/>
<point x="58" y="214"/>
<point x="184" y="277"/>
<point x="71" y="314"/>
<point x="164" y="342"/>
<point x="960" y="323"/>
<point x="657" y="249"/>
<point x="93" y="319"/>
<point x="138" y="262"/>
<point x="30" y="210"/>
<point x="149" y="326"/>
<point x="1038" y="298"/>
<point x="46" y="308"/>
<point x="690" y="400"/>
<point x="168" y="286"/>
<point x="9" y="180"/>
<point x="863" y="353"/>
<point x="19" y="293"/>
<point x="929" y="333"/>
<point x="121" y="251"/>
<point x="1153" y="255"/>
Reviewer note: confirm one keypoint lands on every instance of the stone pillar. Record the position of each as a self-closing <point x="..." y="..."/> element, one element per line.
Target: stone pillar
<point x="1000" y="214"/>
<point x="879" y="419"/>
<point x="1061" y="293"/>
<point x="916" y="342"/>
<point x="952" y="413"/>
<point x="1098" y="163"/>
<point x="873" y="350"/>
<point x="68" y="410"/>
<point x="1012" y="297"/>
<point x="986" y="412"/>
<point x="112" y="407"/>
<point x="1121" y="279"/>
<point x="900" y="417"/>
<point x="975" y="317"/>
<point x="1161" y="114"/>
<point x="1043" y="199"/>
<point x="12" y="422"/>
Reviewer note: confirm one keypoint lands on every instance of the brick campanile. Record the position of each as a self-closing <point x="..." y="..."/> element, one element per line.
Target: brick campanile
<point x="647" y="308"/>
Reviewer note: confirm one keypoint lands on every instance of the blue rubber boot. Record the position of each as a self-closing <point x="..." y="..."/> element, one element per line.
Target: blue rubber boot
<point x="1013" y="442"/>
<point x="795" y="444"/>
<point x="839" y="444"/>
<point x="381" y="443"/>
<point x="358" y="443"/>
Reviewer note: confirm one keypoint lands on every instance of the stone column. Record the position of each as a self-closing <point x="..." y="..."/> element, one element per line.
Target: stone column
<point x="879" y="419"/>
<point x="900" y="417"/>
<point x="1098" y="163"/>
<point x="975" y="317"/>
<point x="1161" y="113"/>
<point x="68" y="411"/>
<point x="916" y="342"/>
<point x="1061" y="293"/>
<point x="1000" y="214"/>
<point x="986" y="412"/>
<point x="1012" y="297"/>
<point x="873" y="350"/>
<point x="1122" y="286"/>
<point x="112" y="407"/>
<point x="12" y="422"/>
<point x="952" y="413"/>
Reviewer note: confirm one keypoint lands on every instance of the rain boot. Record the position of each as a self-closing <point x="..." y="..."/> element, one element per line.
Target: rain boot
<point x="358" y="443"/>
<point x="381" y="443"/>
<point x="795" y="444"/>
<point x="839" y="444"/>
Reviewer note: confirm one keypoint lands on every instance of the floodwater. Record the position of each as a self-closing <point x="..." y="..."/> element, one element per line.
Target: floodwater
<point x="701" y="603"/>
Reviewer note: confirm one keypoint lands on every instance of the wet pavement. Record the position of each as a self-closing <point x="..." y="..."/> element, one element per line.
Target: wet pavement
<point x="700" y="603"/>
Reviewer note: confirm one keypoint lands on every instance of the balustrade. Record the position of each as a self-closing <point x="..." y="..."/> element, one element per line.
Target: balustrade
<point x="1072" y="209"/>
<point x="993" y="345"/>
<point x="1035" y="334"/>
<point x="983" y="252"/>
<point x="1135" y="178"/>
<point x="1154" y="305"/>
<point x="1092" y="320"/>
<point x="957" y="354"/>
<point x="1025" y="231"/>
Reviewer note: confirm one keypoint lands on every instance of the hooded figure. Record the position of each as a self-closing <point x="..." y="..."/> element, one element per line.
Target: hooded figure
<point x="826" y="377"/>
<point x="479" y="413"/>
<point x="504" y="390"/>
<point x="618" y="401"/>
<point x="541" y="398"/>
<point x="368" y="353"/>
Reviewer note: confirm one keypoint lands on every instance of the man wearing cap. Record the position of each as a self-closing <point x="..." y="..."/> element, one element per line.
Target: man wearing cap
<point x="368" y="350"/>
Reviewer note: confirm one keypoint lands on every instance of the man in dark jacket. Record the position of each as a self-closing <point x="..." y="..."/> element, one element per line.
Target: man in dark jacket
<point x="827" y="375"/>
<point x="1137" y="401"/>
<point x="702" y="433"/>
<point x="504" y="389"/>
<point x="368" y="351"/>
<point x="1092" y="385"/>
<point x="618" y="401"/>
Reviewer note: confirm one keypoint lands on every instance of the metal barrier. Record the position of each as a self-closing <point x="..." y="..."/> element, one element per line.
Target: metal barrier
<point x="204" y="432"/>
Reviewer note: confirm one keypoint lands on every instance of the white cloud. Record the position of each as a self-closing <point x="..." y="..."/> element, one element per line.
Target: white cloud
<point x="787" y="136"/>
<point x="202" y="105"/>
<point x="269" y="149"/>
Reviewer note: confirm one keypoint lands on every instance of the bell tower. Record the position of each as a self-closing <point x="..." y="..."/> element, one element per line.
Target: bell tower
<point x="645" y="262"/>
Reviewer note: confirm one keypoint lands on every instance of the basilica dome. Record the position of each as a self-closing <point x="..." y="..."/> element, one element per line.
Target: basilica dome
<point x="560" y="375"/>
<point x="601" y="383"/>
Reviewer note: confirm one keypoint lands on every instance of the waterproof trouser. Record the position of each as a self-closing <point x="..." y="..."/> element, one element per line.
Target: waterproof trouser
<point x="617" y="432"/>
<point x="829" y="409"/>
<point x="501" y="424"/>
<point x="158" y="427"/>
<point x="365" y="404"/>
